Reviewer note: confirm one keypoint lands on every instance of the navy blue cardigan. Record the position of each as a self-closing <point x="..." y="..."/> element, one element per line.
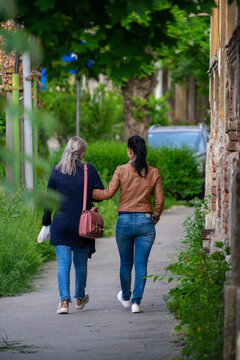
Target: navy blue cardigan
<point x="64" y="228"/>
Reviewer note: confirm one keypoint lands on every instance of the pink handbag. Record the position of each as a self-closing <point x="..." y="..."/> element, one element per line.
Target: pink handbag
<point x="91" y="224"/>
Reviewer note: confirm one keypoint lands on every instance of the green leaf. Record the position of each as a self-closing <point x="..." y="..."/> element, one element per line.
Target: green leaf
<point x="219" y="244"/>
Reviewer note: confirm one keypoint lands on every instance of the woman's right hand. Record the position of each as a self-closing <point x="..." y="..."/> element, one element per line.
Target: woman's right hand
<point x="155" y="219"/>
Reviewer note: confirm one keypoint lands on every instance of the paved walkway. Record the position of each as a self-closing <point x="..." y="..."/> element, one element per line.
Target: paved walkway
<point x="104" y="329"/>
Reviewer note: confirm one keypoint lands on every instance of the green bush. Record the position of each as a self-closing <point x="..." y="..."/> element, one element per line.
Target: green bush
<point x="181" y="177"/>
<point x="20" y="254"/>
<point x="108" y="210"/>
<point x="178" y="167"/>
<point x="106" y="156"/>
<point x="197" y="298"/>
<point x="159" y="109"/>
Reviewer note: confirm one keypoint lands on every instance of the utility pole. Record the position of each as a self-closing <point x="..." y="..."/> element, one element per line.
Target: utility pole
<point x="16" y="124"/>
<point x="28" y="133"/>
<point x="35" y="133"/>
<point x="78" y="80"/>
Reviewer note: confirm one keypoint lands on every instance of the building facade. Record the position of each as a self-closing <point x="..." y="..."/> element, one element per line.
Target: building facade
<point x="187" y="105"/>
<point x="223" y="160"/>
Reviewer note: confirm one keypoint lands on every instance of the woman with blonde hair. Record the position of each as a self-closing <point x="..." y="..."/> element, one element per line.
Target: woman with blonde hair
<point x="67" y="178"/>
<point x="135" y="231"/>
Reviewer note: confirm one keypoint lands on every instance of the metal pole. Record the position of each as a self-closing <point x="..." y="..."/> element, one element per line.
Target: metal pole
<point x="28" y="133"/>
<point x="16" y="131"/>
<point x="78" y="106"/>
<point x="35" y="135"/>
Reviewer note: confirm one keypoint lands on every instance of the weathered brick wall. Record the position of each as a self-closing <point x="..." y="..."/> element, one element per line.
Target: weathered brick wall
<point x="223" y="159"/>
<point x="223" y="147"/>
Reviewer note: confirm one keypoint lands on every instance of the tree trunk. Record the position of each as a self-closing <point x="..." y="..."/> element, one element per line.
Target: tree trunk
<point x="137" y="89"/>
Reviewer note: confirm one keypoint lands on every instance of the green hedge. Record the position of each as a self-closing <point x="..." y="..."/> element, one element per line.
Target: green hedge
<point x="179" y="170"/>
<point x="178" y="167"/>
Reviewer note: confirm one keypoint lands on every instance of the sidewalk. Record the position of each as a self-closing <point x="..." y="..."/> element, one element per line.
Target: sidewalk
<point x="104" y="329"/>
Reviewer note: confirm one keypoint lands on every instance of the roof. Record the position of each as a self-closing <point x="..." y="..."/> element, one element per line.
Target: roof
<point x="157" y="128"/>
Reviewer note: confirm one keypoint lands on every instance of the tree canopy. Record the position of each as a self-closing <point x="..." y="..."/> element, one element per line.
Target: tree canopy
<point x="121" y="36"/>
<point x="189" y="55"/>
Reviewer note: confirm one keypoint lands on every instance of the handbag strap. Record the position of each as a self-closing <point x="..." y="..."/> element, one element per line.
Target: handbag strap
<point x="85" y="182"/>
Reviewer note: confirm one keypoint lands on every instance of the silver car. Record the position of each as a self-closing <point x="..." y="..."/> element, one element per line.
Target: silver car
<point x="195" y="137"/>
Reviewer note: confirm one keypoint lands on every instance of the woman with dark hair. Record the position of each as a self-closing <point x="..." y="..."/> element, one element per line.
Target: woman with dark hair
<point x="135" y="230"/>
<point x="67" y="178"/>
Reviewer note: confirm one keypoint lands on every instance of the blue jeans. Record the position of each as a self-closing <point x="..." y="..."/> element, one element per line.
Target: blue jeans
<point x="135" y="234"/>
<point x="64" y="262"/>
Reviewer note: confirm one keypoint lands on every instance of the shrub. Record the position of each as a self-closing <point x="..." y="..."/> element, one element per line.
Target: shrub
<point x="159" y="109"/>
<point x="197" y="299"/>
<point x="106" y="156"/>
<point x="178" y="166"/>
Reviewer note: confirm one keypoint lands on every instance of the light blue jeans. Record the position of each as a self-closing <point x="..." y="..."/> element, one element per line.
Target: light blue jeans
<point x="135" y="234"/>
<point x="64" y="262"/>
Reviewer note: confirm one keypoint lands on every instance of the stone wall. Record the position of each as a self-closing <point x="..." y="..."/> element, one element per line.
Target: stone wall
<point x="223" y="158"/>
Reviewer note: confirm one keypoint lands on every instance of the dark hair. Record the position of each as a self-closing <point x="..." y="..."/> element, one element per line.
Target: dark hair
<point x="138" y="146"/>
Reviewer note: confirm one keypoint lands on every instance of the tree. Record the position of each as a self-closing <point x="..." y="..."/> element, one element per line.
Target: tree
<point x="189" y="56"/>
<point x="101" y="111"/>
<point x="121" y="37"/>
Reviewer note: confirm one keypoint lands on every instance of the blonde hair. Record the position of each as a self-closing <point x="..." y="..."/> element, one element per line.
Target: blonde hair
<point x="72" y="156"/>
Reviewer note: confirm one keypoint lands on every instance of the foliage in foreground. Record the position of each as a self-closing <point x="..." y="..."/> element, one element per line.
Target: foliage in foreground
<point x="197" y="298"/>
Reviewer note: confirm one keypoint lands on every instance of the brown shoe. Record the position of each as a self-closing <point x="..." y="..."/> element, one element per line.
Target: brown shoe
<point x="63" y="307"/>
<point x="80" y="303"/>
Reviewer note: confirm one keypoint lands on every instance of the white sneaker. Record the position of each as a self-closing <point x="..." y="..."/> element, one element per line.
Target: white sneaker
<point x="125" y="303"/>
<point x="136" y="308"/>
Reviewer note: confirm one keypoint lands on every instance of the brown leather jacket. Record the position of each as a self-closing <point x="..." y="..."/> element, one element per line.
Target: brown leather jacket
<point x="135" y="191"/>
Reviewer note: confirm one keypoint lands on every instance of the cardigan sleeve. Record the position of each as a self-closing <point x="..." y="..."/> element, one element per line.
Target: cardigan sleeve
<point x="97" y="183"/>
<point x="47" y="213"/>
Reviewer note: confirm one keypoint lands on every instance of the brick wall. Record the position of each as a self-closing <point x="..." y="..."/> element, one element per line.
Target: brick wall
<point x="223" y="160"/>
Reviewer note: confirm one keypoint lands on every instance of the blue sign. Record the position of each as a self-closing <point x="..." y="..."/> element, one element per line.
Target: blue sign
<point x="70" y="58"/>
<point x="43" y="79"/>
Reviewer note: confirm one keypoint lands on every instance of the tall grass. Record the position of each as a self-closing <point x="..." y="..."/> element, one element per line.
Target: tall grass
<point x="197" y="296"/>
<point x="20" y="254"/>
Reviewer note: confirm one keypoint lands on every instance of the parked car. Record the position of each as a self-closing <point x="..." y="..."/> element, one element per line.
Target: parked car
<point x="195" y="137"/>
